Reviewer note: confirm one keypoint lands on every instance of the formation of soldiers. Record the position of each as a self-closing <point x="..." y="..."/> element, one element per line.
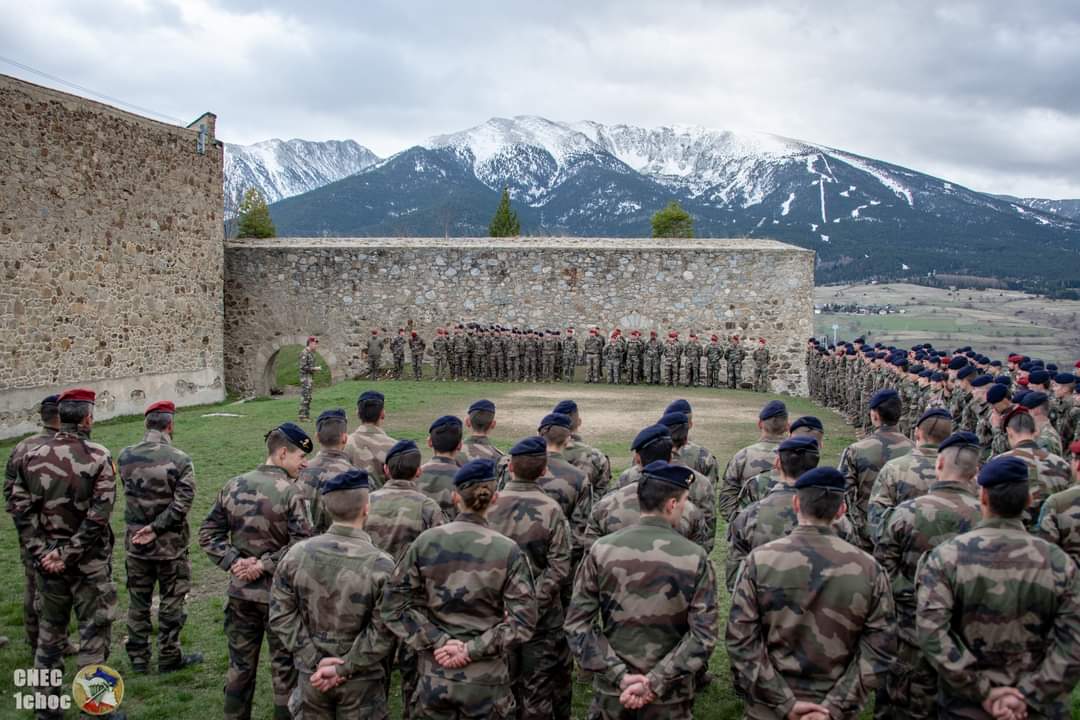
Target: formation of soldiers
<point x="500" y="354"/>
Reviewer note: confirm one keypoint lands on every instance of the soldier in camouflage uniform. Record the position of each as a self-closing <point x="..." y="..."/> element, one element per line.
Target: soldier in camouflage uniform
<point x="753" y="459"/>
<point x="1010" y="651"/>
<point x="1047" y="437"/>
<point x="612" y="356"/>
<point x="332" y="431"/>
<point x="308" y="368"/>
<point x="653" y="352"/>
<point x="735" y="355"/>
<point x="563" y="482"/>
<point x="368" y="444"/>
<point x="569" y="355"/>
<point x="594" y="349"/>
<point x="498" y="355"/>
<point x="440" y="353"/>
<point x="649" y="668"/>
<point x="531" y="352"/>
<point x="670" y="353"/>
<point x="691" y="454"/>
<point x="463" y="599"/>
<point x="595" y="464"/>
<point x="471" y="370"/>
<point x="256" y="518"/>
<point x="49" y="412"/>
<point x="159" y="487"/>
<point x="911" y="530"/>
<point x="61" y="500"/>
<point x="541" y="669"/>
<point x="1059" y="519"/>
<point x="760" y="485"/>
<point x="483" y="354"/>
<point x="417" y="346"/>
<point x="1049" y="473"/>
<point x="397" y="350"/>
<point x="635" y="355"/>
<point x="702" y="492"/>
<point x="1068" y="408"/>
<point x="325" y="609"/>
<point x="714" y="356"/>
<point x="480" y="421"/>
<point x="436" y="479"/>
<point x="692" y="352"/>
<point x="549" y="348"/>
<point x="797" y="649"/>
<point x="862" y="460"/>
<point x="760" y="356"/>
<point x="375" y="346"/>
<point x="459" y="354"/>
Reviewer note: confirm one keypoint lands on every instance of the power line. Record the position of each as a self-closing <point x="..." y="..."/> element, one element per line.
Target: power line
<point x="103" y="96"/>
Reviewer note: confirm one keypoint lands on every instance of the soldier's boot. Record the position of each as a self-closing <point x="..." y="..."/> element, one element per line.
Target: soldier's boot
<point x="175" y="580"/>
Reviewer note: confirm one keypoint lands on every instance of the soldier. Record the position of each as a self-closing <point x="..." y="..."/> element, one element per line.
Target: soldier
<point x="481" y="421"/>
<point x="436" y="478"/>
<point x="459" y="357"/>
<point x="513" y="356"/>
<point x="1000" y="653"/>
<point x="645" y="648"/>
<point x="498" y="355"/>
<point x="256" y="518"/>
<point x="483" y="353"/>
<point x="862" y="460"/>
<point x="1047" y="437"/>
<point x="670" y="353"/>
<point x="594" y="463"/>
<point x="397" y="350"/>
<point x="1059" y="520"/>
<point x="650" y="359"/>
<point x="463" y="618"/>
<point x="564" y="483"/>
<point x="325" y="609"/>
<point x="49" y="411"/>
<point x="702" y="493"/>
<point x="613" y="358"/>
<point x="635" y="352"/>
<point x="308" y="368"/>
<point x="908" y="476"/>
<point x="549" y="347"/>
<point x="532" y="346"/>
<point x="61" y="500"/>
<point x="417" y="346"/>
<point x="472" y="357"/>
<point x="735" y="354"/>
<point x="1068" y="408"/>
<point x="760" y="485"/>
<point x="1049" y="473"/>
<point x="714" y="355"/>
<point x="779" y="663"/>
<point x="692" y="359"/>
<point x="760" y="357"/>
<point x="368" y="444"/>
<point x="440" y="353"/>
<point x="541" y="669"/>
<point x="914" y="528"/>
<point x="569" y="355"/>
<point x="374" y="353"/>
<point x="332" y="431"/>
<point x="159" y="487"/>
<point x="594" y="348"/>
<point x="691" y="454"/>
<point x="753" y="459"/>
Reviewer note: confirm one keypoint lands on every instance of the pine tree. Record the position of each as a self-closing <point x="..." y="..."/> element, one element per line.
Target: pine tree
<point x="672" y="222"/>
<point x="254" y="219"/>
<point x="505" y="223"/>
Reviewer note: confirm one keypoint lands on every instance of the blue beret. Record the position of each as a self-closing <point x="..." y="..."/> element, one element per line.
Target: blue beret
<point x="807" y="421"/>
<point x="482" y="406"/>
<point x="883" y="395"/>
<point x="649" y="435"/>
<point x="995" y="363"/>
<point x="800" y="443"/>
<point x="1003" y="470"/>
<point x="958" y="362"/>
<point x="671" y="419"/>
<point x="1060" y="379"/>
<point x="566" y="407"/>
<point x="349" y="480"/>
<point x="444" y="421"/>
<point x="677" y="475"/>
<point x="55" y="400"/>
<point x="371" y="396"/>
<point x="1039" y="377"/>
<point x="960" y="438"/>
<point x="335" y="414"/>
<point x="555" y="419"/>
<point x="1003" y="380"/>
<point x="401" y="447"/>
<point x="937" y="377"/>
<point x="1034" y="399"/>
<point x="1025" y="366"/>
<point x="926" y="373"/>
<point x="297" y="436"/>
<point x="965" y="372"/>
<point x="996" y="393"/>
<point x="679" y="405"/>
<point x="982" y="380"/>
<point x="475" y="471"/>
<point x="534" y="445"/>
<point x="828" y="478"/>
<point x="1051" y="368"/>
<point x="933" y="413"/>
<point x="773" y="408"/>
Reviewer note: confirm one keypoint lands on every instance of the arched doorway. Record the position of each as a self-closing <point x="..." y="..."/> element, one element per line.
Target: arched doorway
<point x="282" y="353"/>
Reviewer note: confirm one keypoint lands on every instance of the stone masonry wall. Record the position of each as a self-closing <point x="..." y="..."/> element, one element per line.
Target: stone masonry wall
<point x="279" y="291"/>
<point x="111" y="253"/>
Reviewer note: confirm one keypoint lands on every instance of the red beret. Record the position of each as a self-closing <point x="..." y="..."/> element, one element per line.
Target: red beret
<point x="1077" y="364"/>
<point x="167" y="406"/>
<point x="714" y="337"/>
<point x="734" y="337"/>
<point x="673" y="334"/>
<point x="78" y="395"/>
<point x="312" y="338"/>
<point x="1014" y="358"/>
<point x="1023" y="381"/>
<point x="1074" y="448"/>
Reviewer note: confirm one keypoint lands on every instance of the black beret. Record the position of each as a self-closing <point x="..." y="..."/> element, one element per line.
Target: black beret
<point x="475" y="471"/>
<point x="534" y="445"/>
<point x="937" y="377"/>
<point x="807" y="421"/>
<point x="933" y="413"/>
<point x="1034" y="399"/>
<point x="297" y="436"/>
<point x="1039" y="377"/>
<point x="482" y="406"/>
<point x="349" y="480"/>
<point x="444" y="421"/>
<point x="555" y="419"/>
<point x="51" y="400"/>
<point x="827" y="478"/>
<point x="1003" y="380"/>
<point x="371" y="396"/>
<point x="958" y="362"/>
<point x="401" y="447"/>
<point x="679" y="405"/>
<point x="677" y="475"/>
<point x="566" y="407"/>
<point x="996" y="393"/>
<point x="649" y="435"/>
<point x="1064" y="378"/>
<point x="965" y="372"/>
<point x="773" y="408"/>
<point x="672" y="419"/>
<point x="881" y="396"/>
<point x="800" y="443"/>
<point x="982" y="380"/>
<point x="962" y="438"/>
<point x="1003" y="470"/>
<point x="327" y="415"/>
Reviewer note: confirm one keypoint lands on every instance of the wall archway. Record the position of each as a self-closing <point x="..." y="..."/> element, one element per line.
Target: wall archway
<point x="266" y="356"/>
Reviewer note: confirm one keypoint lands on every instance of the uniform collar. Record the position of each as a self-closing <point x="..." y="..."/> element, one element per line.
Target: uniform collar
<point x="951" y="486"/>
<point x="478" y="440"/>
<point x="271" y="469"/>
<point x="400" y="484"/>
<point x="157" y="436"/>
<point x="368" y="429"/>
<point x="472" y="517"/>
<point x="655" y="521"/>
<point x="1016" y="524"/>
<point x="443" y="459"/>
<point x="347" y="531"/>
<point x="325" y="452"/>
<point x="813" y="530"/>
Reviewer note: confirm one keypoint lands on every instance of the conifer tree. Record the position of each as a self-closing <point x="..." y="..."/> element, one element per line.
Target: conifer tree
<point x="505" y="223"/>
<point x="672" y="222"/>
<point x="254" y="220"/>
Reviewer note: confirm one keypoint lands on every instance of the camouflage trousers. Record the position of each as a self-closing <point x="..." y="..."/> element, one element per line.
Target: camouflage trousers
<point x="713" y="375"/>
<point x="358" y="698"/>
<point x="693" y="375"/>
<point x="548" y="366"/>
<point x="305" y="397"/>
<point x="440" y="367"/>
<point x="592" y="368"/>
<point x="437" y="698"/>
<point x="635" y="370"/>
<point x="761" y="379"/>
<point x="373" y="366"/>
<point x="418" y="368"/>
<point x="542" y="676"/>
<point x="608" y="707"/>
<point x="652" y="371"/>
<point x="613" y="372"/>
<point x="513" y="368"/>
<point x="498" y="367"/>
<point x="246" y="622"/>
<point x="670" y="375"/>
<point x="173" y="579"/>
<point x="734" y="373"/>
<point x="530" y="367"/>
<point x="93" y="598"/>
<point x="568" y="366"/>
<point x="399" y="366"/>
<point x="910" y="691"/>
<point x="30" y="612"/>
<point x="458" y="365"/>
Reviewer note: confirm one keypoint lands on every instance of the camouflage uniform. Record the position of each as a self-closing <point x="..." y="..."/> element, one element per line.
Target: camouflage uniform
<point x="760" y="357"/>
<point x="321" y="468"/>
<point x="735" y="355"/>
<point x="549" y="349"/>
<point x="307" y="379"/>
<point x="259" y="514"/>
<point x="159" y="487"/>
<point x="653" y="352"/>
<point x="366" y="450"/>
<point x="484" y="354"/>
<point x="901" y="479"/>
<point x="1022" y="634"/>
<point x="669" y="357"/>
<point x="61" y="499"/>
<point x="635" y="353"/>
<point x="374" y="355"/>
<point x="756" y="488"/>
<point x="569" y="486"/>
<point x="612" y="361"/>
<point x="619" y="623"/>
<point x="397" y="350"/>
<point x="459" y="363"/>
<point x="417" y="346"/>
<point x="594" y="463"/>
<point x="911" y="530"/>
<point x="714" y="355"/>
<point x="1047" y="474"/>
<point x="569" y="357"/>
<point x="621" y="508"/>
<point x="811" y="619"/>
<point x="752" y="460"/>
<point x="541" y="673"/>
<point x="513" y="358"/>
<point x="440" y="352"/>
<point x="467" y="582"/>
<point x="325" y="603"/>
<point x="594" y="348"/>
<point x="1049" y="440"/>
<point x="437" y="482"/>
<point x="532" y="346"/>
<point x="479" y="446"/>
<point x="861" y="462"/>
<point x="701" y="460"/>
<point x="1059" y="521"/>
<point x="692" y="359"/>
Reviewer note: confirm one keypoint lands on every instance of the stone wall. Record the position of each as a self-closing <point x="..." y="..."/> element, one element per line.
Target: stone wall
<point x="111" y="249"/>
<point x="279" y="291"/>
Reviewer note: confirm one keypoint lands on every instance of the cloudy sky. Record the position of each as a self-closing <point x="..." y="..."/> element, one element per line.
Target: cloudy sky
<point x="986" y="94"/>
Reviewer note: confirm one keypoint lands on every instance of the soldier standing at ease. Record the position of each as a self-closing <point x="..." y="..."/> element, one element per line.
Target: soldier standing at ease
<point x="325" y="609"/>
<point x="565" y="483"/>
<point x="256" y="518"/>
<point x="735" y="354"/>
<point x="308" y="368"/>
<point x="436" y="479"/>
<point x="583" y="456"/>
<point x="480" y="421"/>
<point x="714" y="355"/>
<point x="635" y="350"/>
<point x="549" y="349"/>
<point x="1059" y="519"/>
<point x="648" y="666"/>
<point x="159" y="487"/>
<point x="670" y="353"/>
<point x="652" y="354"/>
<point x="417" y="346"/>
<point x="397" y="350"/>
<point x="613" y="358"/>
<point x="754" y="459"/>
<point x="594" y="349"/>
<point x="374" y="353"/>
<point x="692" y="360"/>
<point x="569" y="355"/>
<point x="440" y="353"/>
<point x="332" y="432"/>
<point x="761" y="366"/>
<point x="368" y="444"/>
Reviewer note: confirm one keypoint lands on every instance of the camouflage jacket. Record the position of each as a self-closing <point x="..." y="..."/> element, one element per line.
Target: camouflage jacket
<point x="903" y="478"/>
<point x="735" y="355"/>
<point x="756" y="488"/>
<point x="652" y="350"/>
<point x="307" y="364"/>
<point x="61" y="499"/>
<point x="397" y="514"/>
<point x="635" y="349"/>
<point x="397" y="346"/>
<point x="479" y="446"/>
<point x="417" y="346"/>
<point x="550" y="346"/>
<point x="463" y="581"/>
<point x="440" y="347"/>
<point x="367" y="448"/>
<point x="25" y="445"/>
<point x="568" y="486"/>
<point x="750" y="461"/>
<point x="1047" y="474"/>
<point x="669" y="635"/>
<point x="595" y="464"/>
<point x="459" y="344"/>
<point x="1059" y="521"/>
<point x="714" y="354"/>
<point x="1024" y="634"/>
<point x="375" y="346"/>
<point x="325" y="602"/>
<point x="861" y="462"/>
<point x="322" y="467"/>
<point x="570" y="350"/>
<point x="594" y="345"/>
<point x="621" y="509"/>
<point x="259" y="514"/>
<point x="692" y="351"/>
<point x="437" y="482"/>
<point x="702" y="496"/>
<point x="760" y="357"/>
<point x="159" y="487"/>
<point x="693" y="455"/>
<point x="811" y="619"/>
<point x="1049" y="440"/>
<point x="526" y="515"/>
<point x="914" y="528"/>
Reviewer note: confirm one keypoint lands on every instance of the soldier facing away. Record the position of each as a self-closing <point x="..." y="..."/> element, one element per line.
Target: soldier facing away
<point x="436" y="478"/>
<point x="368" y="444"/>
<point x="332" y="432"/>
<point x="753" y="459"/>
<point x="1059" y="519"/>
<point x="375" y="346"/>
<point x="481" y="421"/>
<point x="307" y="371"/>
<point x="397" y="351"/>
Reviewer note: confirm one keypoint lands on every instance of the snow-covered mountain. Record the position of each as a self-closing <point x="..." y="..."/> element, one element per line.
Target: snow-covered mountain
<point x="1065" y="208"/>
<point x="283" y="168"/>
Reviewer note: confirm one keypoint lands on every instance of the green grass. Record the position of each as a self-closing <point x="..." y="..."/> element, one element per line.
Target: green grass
<point x="287" y="368"/>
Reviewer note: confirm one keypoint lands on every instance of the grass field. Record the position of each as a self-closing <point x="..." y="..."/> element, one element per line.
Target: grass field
<point x="287" y="368"/>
